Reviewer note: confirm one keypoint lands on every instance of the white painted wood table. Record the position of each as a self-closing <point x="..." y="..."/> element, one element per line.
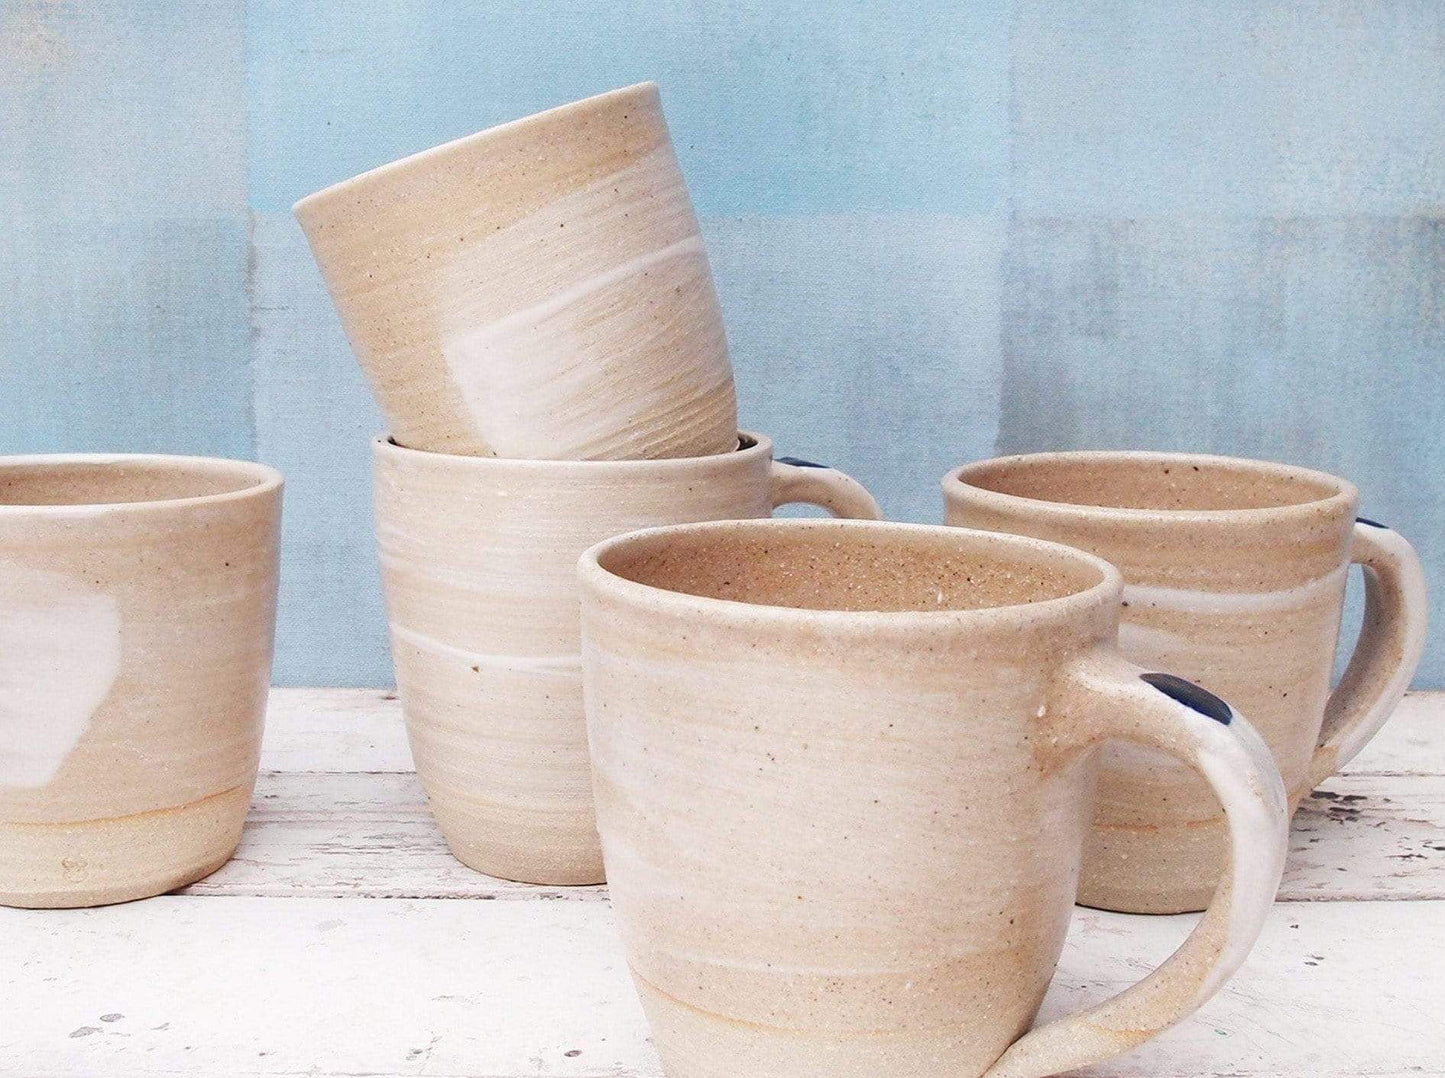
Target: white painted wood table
<point x="344" y="940"/>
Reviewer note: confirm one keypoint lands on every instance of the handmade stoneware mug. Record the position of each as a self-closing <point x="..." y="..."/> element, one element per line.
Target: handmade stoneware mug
<point x="478" y="559"/>
<point x="1234" y="576"/>
<point x="137" y="605"/>
<point x="843" y="775"/>
<point x="536" y="290"/>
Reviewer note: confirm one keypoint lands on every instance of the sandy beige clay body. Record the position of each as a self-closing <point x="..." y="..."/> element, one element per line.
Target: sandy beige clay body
<point x="1235" y="576"/>
<point x="536" y="290"/>
<point x="843" y="776"/>
<point x="479" y="563"/>
<point x="137" y="605"/>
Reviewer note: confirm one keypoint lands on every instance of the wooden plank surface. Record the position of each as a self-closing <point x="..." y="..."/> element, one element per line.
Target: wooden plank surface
<point x="278" y="986"/>
<point x="370" y="835"/>
<point x="334" y="730"/>
<point x="338" y="813"/>
<point x="285" y="963"/>
<point x="361" y="730"/>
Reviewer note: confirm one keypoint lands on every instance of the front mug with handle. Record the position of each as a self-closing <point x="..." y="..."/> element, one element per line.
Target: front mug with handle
<point x="844" y="771"/>
<point x="478" y="559"/>
<point x="1234" y="574"/>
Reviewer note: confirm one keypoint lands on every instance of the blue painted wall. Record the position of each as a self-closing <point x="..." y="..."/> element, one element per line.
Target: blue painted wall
<point x="940" y="231"/>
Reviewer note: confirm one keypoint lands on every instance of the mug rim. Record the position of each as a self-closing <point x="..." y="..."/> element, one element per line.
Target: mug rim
<point x="264" y="479"/>
<point x="467" y="142"/>
<point x="593" y="576"/>
<point x="956" y="485"/>
<point x="751" y="444"/>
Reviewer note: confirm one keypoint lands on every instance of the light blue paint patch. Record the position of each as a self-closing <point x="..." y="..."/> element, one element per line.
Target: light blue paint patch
<point x="867" y="342"/>
<point x="1225" y="234"/>
<point x="127" y="336"/>
<point x="1144" y="107"/>
<point x="123" y="228"/>
<point x="1315" y="341"/>
<point x="122" y="111"/>
<point x="315" y="420"/>
<point x="775" y="107"/>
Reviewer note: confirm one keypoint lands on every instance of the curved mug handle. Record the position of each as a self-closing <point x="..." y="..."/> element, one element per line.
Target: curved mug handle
<point x="1391" y="641"/>
<point x="803" y="481"/>
<point x="1099" y="695"/>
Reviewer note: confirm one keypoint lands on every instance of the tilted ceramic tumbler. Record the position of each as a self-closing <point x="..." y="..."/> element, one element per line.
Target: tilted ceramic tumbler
<point x="137" y="605"/>
<point x="843" y="775"/>
<point x="536" y="290"/>
<point x="478" y="559"/>
<point x="1234" y="577"/>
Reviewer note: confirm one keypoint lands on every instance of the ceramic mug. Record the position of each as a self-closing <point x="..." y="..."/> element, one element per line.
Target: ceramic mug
<point x="843" y="774"/>
<point x="478" y="559"/>
<point x="137" y="605"/>
<point x="536" y="290"/>
<point x="1234" y="576"/>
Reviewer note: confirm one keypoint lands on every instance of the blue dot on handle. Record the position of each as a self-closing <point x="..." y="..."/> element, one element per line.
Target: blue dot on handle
<point x="1191" y="696"/>
<point x="1372" y="523"/>
<point x="799" y="462"/>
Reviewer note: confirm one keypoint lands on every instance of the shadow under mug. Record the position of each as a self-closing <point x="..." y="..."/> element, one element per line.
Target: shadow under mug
<point x="843" y="775"/>
<point x="137" y="611"/>
<point x="479" y="559"/>
<point x="1234" y="574"/>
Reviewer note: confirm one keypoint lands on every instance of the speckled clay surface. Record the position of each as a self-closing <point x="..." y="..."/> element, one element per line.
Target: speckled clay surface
<point x="843" y="774"/>
<point x="479" y="562"/>
<point x="1235" y="574"/>
<point x="137" y="603"/>
<point x="536" y="290"/>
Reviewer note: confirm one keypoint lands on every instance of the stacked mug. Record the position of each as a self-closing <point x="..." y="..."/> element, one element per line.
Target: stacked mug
<point x="533" y="309"/>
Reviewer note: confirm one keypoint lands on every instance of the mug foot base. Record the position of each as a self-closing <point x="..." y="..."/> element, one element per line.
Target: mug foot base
<point x="149" y="888"/>
<point x="1145" y="904"/>
<point x="102" y="862"/>
<point x="1152" y="869"/>
<point x="694" y="1043"/>
<point x="534" y="869"/>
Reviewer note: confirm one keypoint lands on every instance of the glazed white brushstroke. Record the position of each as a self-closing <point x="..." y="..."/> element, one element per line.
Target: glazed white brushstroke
<point x="462" y="580"/>
<point x="548" y="379"/>
<point x="1251" y="602"/>
<point x="477" y="343"/>
<point x="59" y="655"/>
<point x="1148" y="646"/>
<point x="520" y="663"/>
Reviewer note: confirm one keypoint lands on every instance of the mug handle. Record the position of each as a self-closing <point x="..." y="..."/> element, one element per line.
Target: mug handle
<point x="797" y="480"/>
<point x="1099" y="695"/>
<point x="1391" y="640"/>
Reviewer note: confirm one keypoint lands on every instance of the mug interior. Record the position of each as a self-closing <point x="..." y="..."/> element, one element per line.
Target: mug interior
<point x="851" y="566"/>
<point x="1150" y="481"/>
<point x="121" y="480"/>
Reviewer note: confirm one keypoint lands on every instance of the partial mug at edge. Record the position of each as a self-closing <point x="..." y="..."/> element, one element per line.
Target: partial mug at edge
<point x="137" y="612"/>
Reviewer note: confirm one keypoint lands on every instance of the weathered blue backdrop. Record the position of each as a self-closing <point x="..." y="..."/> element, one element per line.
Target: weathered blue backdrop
<point x="940" y="231"/>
